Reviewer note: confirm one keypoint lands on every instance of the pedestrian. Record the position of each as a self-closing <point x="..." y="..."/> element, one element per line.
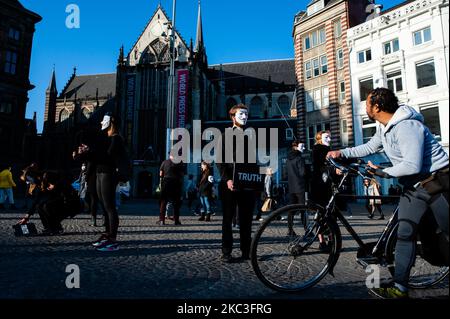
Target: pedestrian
<point x="6" y="188"/>
<point x="296" y="172"/>
<point x="235" y="200"/>
<point x="372" y="188"/>
<point x="321" y="181"/>
<point x="55" y="201"/>
<point x="416" y="156"/>
<point x="86" y="154"/>
<point x="108" y="153"/>
<point x="205" y="190"/>
<point x="172" y="175"/>
<point x="82" y="180"/>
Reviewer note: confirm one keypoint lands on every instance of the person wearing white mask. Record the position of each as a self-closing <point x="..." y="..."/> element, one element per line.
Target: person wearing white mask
<point x="320" y="184"/>
<point x="235" y="200"/>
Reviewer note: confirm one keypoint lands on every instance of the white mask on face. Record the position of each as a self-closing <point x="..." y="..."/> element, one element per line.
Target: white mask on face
<point x="241" y="117"/>
<point x="301" y="147"/>
<point x="326" y="139"/>
<point x="106" y="122"/>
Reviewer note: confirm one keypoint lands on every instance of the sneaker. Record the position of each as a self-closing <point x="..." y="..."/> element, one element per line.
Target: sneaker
<point x="101" y="241"/>
<point x="208" y="218"/>
<point x="381" y="217"/>
<point x="177" y="223"/>
<point x="389" y="291"/>
<point x="226" y="258"/>
<point x="109" y="246"/>
<point x="284" y="218"/>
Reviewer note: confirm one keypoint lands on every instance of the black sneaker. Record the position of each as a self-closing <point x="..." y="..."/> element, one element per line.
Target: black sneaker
<point x="226" y="258"/>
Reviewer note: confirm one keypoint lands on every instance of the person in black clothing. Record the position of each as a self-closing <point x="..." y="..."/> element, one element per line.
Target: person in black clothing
<point x="320" y="189"/>
<point x="171" y="175"/>
<point x="205" y="188"/>
<point x="296" y="172"/>
<point x="110" y="149"/>
<point x="87" y="155"/>
<point x="55" y="201"/>
<point x="235" y="200"/>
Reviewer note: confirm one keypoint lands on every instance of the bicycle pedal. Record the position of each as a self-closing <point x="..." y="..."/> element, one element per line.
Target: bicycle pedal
<point x="367" y="261"/>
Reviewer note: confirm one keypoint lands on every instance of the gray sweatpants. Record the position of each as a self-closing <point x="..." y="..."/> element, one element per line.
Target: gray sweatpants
<point x="412" y="207"/>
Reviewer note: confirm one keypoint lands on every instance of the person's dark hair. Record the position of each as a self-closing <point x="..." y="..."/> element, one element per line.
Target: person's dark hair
<point x="385" y="99"/>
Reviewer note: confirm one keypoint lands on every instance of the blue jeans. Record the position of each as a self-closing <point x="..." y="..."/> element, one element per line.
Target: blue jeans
<point x="205" y="204"/>
<point x="6" y="193"/>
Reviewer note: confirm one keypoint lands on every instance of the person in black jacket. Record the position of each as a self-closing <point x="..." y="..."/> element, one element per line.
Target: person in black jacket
<point x="205" y="189"/>
<point x="320" y="188"/>
<point x="234" y="199"/>
<point x="296" y="174"/>
<point x="109" y="150"/>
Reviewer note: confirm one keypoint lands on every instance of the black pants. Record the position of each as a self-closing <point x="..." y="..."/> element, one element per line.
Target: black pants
<point x="91" y="195"/>
<point x="171" y="191"/>
<point x="51" y="213"/>
<point x="242" y="202"/>
<point x="106" y="191"/>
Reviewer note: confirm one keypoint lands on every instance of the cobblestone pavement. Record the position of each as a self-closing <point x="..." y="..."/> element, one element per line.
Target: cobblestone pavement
<point x="160" y="262"/>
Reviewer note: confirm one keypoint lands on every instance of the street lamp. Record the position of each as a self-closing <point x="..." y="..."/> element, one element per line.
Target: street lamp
<point x="171" y="84"/>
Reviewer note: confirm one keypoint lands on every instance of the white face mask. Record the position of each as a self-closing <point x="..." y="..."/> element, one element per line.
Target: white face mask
<point x="301" y="147"/>
<point x="241" y="117"/>
<point x="326" y="139"/>
<point x="106" y="122"/>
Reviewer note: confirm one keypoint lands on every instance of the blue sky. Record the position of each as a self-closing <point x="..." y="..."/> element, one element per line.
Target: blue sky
<point x="234" y="31"/>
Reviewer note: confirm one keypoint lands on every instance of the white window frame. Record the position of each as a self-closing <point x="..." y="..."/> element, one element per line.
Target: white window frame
<point x="341" y="92"/>
<point x="390" y="76"/>
<point x="365" y="55"/>
<point x="367" y="126"/>
<point x="421" y="32"/>
<point x="322" y="65"/>
<point x="308" y="70"/>
<point x="359" y="86"/>
<point x="315" y="38"/>
<point x="309" y="101"/>
<point x="316" y="66"/>
<point x="391" y="46"/>
<point x="340" y="59"/>
<point x="337" y="28"/>
<point x="422" y="63"/>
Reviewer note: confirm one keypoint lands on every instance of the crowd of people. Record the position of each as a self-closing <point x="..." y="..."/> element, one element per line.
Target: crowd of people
<point x="408" y="143"/>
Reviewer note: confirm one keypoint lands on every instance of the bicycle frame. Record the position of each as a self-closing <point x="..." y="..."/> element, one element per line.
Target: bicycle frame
<point x="332" y="211"/>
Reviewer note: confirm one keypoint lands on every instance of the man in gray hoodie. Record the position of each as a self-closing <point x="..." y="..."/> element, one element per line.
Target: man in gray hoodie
<point x="415" y="155"/>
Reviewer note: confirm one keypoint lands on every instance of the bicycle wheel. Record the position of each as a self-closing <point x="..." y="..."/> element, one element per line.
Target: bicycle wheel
<point x="286" y="254"/>
<point x="423" y="274"/>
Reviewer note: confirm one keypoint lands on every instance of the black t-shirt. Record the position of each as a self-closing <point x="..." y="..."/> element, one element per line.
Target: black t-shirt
<point x="171" y="170"/>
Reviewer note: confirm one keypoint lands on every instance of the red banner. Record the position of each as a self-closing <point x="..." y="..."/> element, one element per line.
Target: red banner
<point x="182" y="97"/>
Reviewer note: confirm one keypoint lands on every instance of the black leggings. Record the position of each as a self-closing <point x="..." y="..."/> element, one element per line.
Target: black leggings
<point x="106" y="191"/>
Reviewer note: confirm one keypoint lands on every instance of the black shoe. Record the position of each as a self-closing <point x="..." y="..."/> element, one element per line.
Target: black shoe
<point x="202" y="218"/>
<point x="381" y="217"/>
<point x="177" y="223"/>
<point x="370" y="216"/>
<point x="325" y="248"/>
<point x="291" y="233"/>
<point x="226" y="258"/>
<point x="208" y="218"/>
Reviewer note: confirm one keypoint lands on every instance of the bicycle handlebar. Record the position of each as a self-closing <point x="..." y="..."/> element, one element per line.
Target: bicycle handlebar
<point x="355" y="167"/>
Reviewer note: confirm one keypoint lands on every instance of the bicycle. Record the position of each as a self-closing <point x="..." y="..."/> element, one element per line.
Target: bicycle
<point x="287" y="256"/>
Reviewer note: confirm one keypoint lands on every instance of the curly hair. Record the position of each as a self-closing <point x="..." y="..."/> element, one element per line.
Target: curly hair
<point x="385" y="99"/>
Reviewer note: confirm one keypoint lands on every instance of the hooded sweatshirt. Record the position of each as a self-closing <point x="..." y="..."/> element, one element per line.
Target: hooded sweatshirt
<point x="409" y="145"/>
<point x="6" y="180"/>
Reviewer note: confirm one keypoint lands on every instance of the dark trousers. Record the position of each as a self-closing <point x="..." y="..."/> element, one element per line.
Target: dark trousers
<point x="106" y="191"/>
<point x="242" y="203"/>
<point x="91" y="196"/>
<point x="50" y="211"/>
<point x="171" y="190"/>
